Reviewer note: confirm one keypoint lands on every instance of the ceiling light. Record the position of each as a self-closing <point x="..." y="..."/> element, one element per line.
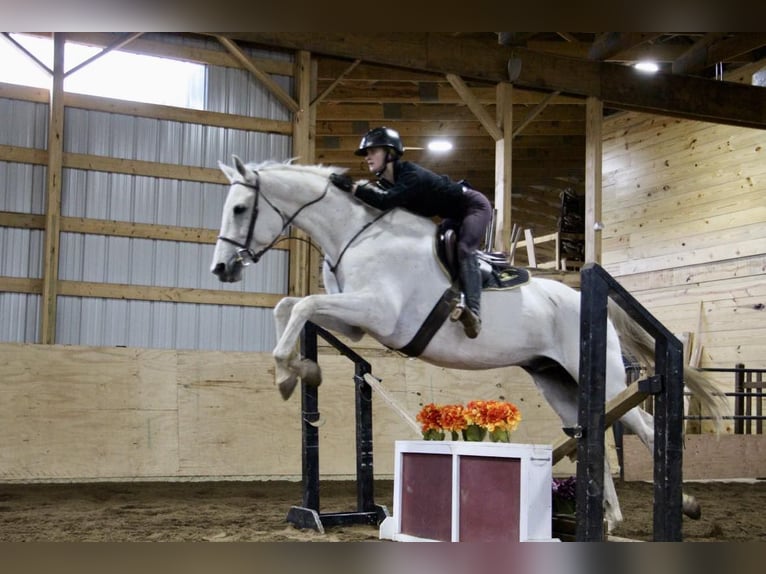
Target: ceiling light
<point x="646" y="66"/>
<point x="440" y="145"/>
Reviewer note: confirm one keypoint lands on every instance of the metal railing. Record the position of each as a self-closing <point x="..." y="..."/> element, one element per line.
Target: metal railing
<point x="748" y="396"/>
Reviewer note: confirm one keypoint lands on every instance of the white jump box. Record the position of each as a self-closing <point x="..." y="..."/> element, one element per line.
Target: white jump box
<point x="453" y="491"/>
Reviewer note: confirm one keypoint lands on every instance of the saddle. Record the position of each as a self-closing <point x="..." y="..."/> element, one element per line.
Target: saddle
<point x="497" y="273"/>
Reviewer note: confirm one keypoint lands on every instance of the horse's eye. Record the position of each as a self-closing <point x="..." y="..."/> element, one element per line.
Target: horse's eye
<point x="239" y="209"/>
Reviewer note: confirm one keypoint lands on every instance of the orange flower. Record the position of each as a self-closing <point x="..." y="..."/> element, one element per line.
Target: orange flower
<point x="452" y="418"/>
<point x="474" y="413"/>
<point x="489" y="415"/>
<point x="493" y="415"/>
<point x="429" y="417"/>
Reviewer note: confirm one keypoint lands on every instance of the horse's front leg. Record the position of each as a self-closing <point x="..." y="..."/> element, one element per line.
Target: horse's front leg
<point x="286" y="369"/>
<point x="291" y="315"/>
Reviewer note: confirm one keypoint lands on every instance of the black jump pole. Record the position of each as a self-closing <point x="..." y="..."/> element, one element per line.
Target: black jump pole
<point x="591" y="403"/>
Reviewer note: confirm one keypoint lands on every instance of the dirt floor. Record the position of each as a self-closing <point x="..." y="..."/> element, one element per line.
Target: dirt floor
<point x="256" y="511"/>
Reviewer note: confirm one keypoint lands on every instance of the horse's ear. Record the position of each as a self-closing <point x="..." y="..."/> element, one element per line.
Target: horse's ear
<point x="240" y="166"/>
<point x="228" y="171"/>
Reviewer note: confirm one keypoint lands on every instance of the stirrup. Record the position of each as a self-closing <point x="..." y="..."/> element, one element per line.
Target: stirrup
<point x="457" y="310"/>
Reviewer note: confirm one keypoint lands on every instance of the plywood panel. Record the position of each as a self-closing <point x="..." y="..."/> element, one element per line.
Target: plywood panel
<point x="82" y="413"/>
<point x="685" y="226"/>
<point x="705" y="457"/>
<point x="73" y="412"/>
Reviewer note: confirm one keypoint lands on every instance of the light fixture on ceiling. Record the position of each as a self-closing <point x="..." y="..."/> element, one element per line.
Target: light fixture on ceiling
<point x="646" y="66"/>
<point x="440" y="145"/>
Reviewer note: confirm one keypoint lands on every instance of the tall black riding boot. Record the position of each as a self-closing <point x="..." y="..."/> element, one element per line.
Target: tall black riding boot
<point x="470" y="277"/>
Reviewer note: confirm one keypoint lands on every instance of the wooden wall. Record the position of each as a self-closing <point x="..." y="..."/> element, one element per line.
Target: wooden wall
<point x="96" y="413"/>
<point x="684" y="212"/>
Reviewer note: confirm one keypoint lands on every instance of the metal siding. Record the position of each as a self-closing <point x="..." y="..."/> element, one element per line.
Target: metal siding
<point x="21" y="252"/>
<point x="25" y="124"/>
<point x="19" y="317"/>
<point x="90" y="194"/>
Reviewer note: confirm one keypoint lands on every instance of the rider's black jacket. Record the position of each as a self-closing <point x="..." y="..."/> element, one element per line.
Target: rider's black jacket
<point x="417" y="189"/>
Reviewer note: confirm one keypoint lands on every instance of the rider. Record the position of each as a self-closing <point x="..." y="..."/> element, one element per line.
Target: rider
<point x="413" y="187"/>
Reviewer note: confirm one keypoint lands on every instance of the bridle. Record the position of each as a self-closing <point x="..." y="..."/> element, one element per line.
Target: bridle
<point x="244" y="248"/>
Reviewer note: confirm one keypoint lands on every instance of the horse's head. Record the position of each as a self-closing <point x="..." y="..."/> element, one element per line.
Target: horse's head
<point x="249" y="226"/>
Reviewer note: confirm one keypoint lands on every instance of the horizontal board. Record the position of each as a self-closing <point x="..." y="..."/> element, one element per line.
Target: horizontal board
<point x="704" y="457"/>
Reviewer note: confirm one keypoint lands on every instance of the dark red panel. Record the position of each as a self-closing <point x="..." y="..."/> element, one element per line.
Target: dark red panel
<point x="489" y="499"/>
<point x="427" y="496"/>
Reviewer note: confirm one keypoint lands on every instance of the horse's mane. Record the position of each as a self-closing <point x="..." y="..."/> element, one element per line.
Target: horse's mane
<point x="317" y="169"/>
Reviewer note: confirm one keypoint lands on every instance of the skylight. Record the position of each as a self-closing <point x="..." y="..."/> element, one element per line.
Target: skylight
<point x="120" y="75"/>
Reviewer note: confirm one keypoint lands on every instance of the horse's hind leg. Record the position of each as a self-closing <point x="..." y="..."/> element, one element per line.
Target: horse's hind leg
<point x="642" y="424"/>
<point x="612" y="512"/>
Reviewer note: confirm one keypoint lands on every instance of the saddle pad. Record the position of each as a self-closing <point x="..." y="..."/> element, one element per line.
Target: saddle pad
<point x="508" y="278"/>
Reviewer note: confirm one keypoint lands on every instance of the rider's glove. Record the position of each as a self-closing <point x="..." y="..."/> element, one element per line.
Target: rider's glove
<point x="342" y="181"/>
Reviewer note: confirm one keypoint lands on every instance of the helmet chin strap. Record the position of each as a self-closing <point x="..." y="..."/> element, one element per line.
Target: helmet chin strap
<point x="390" y="158"/>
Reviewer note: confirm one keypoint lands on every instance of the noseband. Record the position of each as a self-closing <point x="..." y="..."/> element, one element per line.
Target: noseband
<point x="244" y="248"/>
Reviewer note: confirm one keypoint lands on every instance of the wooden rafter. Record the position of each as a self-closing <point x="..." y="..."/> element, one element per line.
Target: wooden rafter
<point x="609" y="44"/>
<point x="695" y="58"/>
<point x="666" y="94"/>
<point x="263" y="77"/>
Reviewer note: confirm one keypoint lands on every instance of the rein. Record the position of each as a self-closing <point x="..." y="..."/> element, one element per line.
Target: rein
<point x="350" y="241"/>
<point x="244" y="248"/>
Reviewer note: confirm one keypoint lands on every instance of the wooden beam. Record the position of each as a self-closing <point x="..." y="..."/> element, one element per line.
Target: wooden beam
<point x="121" y="42"/>
<point x="172" y="113"/>
<point x="744" y="74"/>
<point x="425" y="51"/>
<point x="610" y="44"/>
<point x="184" y="52"/>
<point x="141" y="109"/>
<point x="263" y="77"/>
<point x="476" y="107"/>
<point x="594" y="111"/>
<point x="29" y="54"/>
<point x="695" y="59"/>
<point x="334" y="83"/>
<point x="734" y="48"/>
<point x="503" y="168"/>
<point x="534" y="113"/>
<point x="167" y="294"/>
<point x="53" y="195"/>
<point x="299" y="267"/>
<point x="622" y="87"/>
<point x="614" y="410"/>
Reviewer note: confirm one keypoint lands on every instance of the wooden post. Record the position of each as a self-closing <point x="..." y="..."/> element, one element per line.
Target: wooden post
<point x="593" y="120"/>
<point x="302" y="150"/>
<point x="503" y="171"/>
<point x="53" y="190"/>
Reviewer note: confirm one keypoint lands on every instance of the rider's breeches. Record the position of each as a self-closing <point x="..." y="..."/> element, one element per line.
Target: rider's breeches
<point x="475" y="221"/>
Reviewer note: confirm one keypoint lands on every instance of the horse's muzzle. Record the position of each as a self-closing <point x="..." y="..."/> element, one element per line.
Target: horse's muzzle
<point x="227" y="274"/>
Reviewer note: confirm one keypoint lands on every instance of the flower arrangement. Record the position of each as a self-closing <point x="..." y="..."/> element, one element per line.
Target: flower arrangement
<point x="474" y="420"/>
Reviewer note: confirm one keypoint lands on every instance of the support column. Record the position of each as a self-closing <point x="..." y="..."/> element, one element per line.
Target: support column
<point x="299" y="278"/>
<point x="594" y="109"/>
<point x="503" y="169"/>
<point x="53" y="195"/>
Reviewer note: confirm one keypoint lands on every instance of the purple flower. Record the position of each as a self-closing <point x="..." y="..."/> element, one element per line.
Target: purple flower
<point x="564" y="488"/>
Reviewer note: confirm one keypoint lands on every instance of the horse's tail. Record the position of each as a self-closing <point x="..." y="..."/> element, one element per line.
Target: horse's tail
<point x="638" y="345"/>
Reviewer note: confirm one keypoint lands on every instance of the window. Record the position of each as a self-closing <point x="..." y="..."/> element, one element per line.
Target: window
<point x="117" y="74"/>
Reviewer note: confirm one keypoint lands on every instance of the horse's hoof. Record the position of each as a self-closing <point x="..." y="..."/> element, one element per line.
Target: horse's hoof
<point x="311" y="374"/>
<point x="287" y="387"/>
<point x="691" y="507"/>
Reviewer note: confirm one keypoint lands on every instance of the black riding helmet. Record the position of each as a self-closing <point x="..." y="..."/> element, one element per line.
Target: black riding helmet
<point x="381" y="137"/>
